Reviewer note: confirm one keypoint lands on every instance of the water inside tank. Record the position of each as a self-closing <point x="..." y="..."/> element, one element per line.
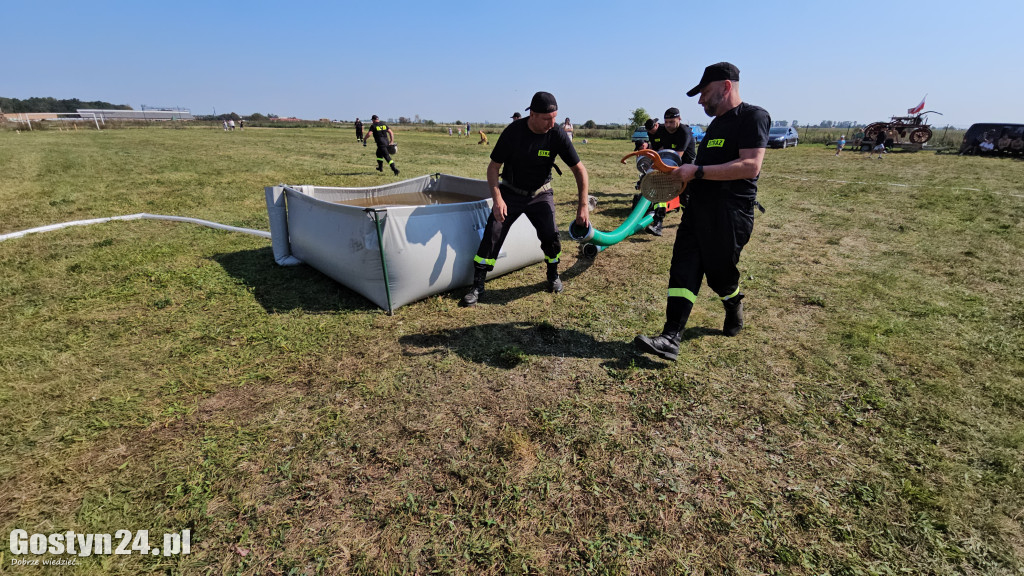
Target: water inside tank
<point x="412" y="199"/>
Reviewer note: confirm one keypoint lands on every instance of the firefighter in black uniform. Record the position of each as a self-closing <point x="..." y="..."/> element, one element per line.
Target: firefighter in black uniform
<point x="359" y="130"/>
<point x="527" y="149"/>
<point x="384" y="137"/>
<point x="718" y="221"/>
<point x="673" y="135"/>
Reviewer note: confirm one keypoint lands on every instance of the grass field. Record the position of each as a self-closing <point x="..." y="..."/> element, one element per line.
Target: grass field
<point x="162" y="376"/>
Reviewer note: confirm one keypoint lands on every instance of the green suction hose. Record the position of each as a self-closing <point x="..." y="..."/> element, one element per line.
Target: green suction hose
<point x="638" y="220"/>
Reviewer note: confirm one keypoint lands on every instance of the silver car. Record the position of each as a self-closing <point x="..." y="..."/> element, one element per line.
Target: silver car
<point x="782" y="136"/>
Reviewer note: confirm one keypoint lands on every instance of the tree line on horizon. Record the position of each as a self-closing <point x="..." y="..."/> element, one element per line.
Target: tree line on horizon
<point x="49" y="104"/>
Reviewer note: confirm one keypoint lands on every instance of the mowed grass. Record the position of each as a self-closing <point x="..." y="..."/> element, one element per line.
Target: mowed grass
<point x="162" y="376"/>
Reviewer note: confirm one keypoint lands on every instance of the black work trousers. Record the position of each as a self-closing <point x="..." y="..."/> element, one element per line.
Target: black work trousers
<point x="711" y="235"/>
<point x="540" y="210"/>
<point x="383" y="156"/>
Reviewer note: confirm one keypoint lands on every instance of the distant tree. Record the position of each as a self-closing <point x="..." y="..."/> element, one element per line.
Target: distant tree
<point x="49" y="104"/>
<point x="638" y="117"/>
<point x="257" y="117"/>
<point x="403" y="120"/>
<point x="458" y="121"/>
<point x="429" y="122"/>
<point x="825" y="124"/>
<point x="590" y="124"/>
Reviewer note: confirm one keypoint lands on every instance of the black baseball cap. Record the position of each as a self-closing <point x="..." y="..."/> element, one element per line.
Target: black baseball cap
<point x="671" y="113"/>
<point x="543" y="102"/>
<point x="650" y="123"/>
<point x="374" y="117"/>
<point x="517" y="116"/>
<point x="713" y="73"/>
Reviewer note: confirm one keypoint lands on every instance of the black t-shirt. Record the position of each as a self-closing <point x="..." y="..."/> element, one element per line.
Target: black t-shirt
<point x="359" y="124"/>
<point x="380" y="133"/>
<point x="745" y="126"/>
<point x="681" y="141"/>
<point x="527" y="157"/>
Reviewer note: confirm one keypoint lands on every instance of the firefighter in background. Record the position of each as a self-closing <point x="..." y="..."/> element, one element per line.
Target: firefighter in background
<point x="671" y="135"/>
<point x="384" y="137"/>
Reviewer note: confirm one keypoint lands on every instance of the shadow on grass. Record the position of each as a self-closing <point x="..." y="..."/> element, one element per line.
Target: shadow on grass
<point x="283" y="289"/>
<point x="615" y="209"/>
<point x="700" y="332"/>
<point x="506" y="295"/>
<point x="506" y="345"/>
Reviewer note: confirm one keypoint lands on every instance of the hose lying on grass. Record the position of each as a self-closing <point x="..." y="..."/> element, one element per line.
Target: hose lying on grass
<point x="140" y="216"/>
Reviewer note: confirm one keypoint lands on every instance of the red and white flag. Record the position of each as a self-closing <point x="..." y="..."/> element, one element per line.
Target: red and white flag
<point x="917" y="108"/>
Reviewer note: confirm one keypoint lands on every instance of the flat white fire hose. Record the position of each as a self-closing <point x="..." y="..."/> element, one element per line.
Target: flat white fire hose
<point x="140" y="216"/>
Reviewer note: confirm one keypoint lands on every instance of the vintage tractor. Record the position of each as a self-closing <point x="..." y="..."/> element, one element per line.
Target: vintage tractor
<point x="902" y="126"/>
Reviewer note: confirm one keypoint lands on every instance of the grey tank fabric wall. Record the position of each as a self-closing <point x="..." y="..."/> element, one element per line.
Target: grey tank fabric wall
<point x="427" y="249"/>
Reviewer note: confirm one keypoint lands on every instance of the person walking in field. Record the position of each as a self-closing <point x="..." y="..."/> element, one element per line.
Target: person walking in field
<point x="719" y="218"/>
<point x="523" y="157"/>
<point x="383" y="137"/>
<point x="359" y="130"/>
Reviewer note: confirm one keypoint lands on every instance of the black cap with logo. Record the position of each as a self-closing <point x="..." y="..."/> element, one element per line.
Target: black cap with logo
<point x="650" y="123"/>
<point x="543" y="103"/>
<point x="517" y="116"/>
<point x="671" y="113"/>
<point x="713" y="73"/>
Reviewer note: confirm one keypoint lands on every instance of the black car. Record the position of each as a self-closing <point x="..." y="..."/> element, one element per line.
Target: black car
<point x="782" y="136"/>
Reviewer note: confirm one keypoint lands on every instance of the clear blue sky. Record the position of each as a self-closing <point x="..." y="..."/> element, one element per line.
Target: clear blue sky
<point x="480" y="61"/>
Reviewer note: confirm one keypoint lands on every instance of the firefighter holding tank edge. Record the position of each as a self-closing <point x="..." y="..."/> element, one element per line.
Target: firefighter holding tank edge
<point x="524" y="156"/>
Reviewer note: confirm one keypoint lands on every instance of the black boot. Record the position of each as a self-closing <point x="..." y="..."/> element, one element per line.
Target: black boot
<point x="394" y="168"/>
<point x="554" y="282"/>
<point x="656" y="223"/>
<point x="654" y="228"/>
<point x="380" y="166"/>
<point x="664" y="345"/>
<point x="473" y="296"/>
<point x="733" y="315"/>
